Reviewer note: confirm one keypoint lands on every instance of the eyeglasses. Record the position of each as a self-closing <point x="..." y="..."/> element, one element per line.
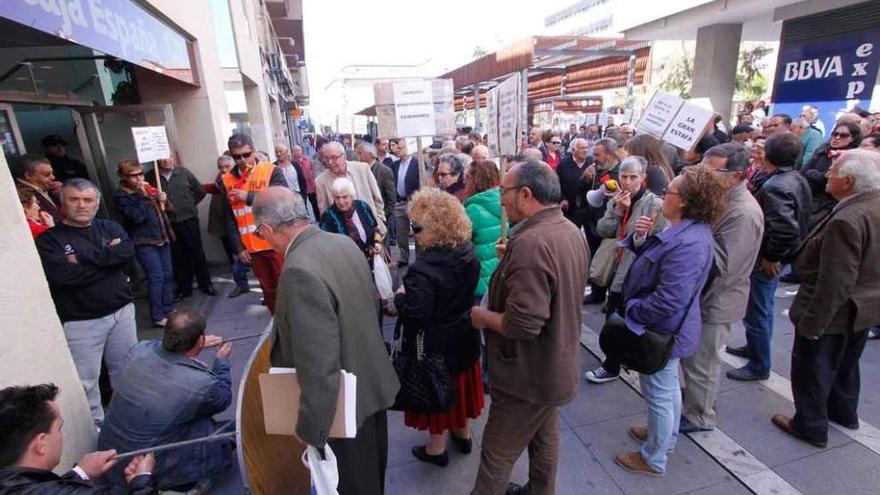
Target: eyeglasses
<point x="840" y="135"/>
<point x="417" y="228"/>
<point x="557" y="143"/>
<point x="505" y="189"/>
<point x="333" y="158"/>
<point x="444" y="174"/>
<point x="258" y="232"/>
<point x="136" y="174"/>
<point x="670" y="193"/>
<point x="243" y="156"/>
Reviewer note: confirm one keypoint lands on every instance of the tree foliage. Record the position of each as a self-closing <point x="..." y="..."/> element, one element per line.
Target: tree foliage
<point x="751" y="83"/>
<point x="679" y="74"/>
<point x="479" y="52"/>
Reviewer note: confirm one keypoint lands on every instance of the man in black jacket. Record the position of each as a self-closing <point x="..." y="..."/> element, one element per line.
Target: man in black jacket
<point x="187" y="254"/>
<point x="785" y="198"/>
<point x="384" y="178"/>
<point x="84" y="259"/>
<point x="30" y="448"/>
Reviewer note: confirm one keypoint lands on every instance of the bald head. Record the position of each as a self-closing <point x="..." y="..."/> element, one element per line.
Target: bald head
<point x="533" y="153"/>
<point x="480" y="153"/>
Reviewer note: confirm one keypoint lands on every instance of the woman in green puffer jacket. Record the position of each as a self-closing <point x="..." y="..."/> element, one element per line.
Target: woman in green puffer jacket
<point x="483" y="207"/>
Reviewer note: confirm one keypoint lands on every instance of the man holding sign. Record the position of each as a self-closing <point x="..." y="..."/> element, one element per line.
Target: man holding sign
<point x="239" y="187"/>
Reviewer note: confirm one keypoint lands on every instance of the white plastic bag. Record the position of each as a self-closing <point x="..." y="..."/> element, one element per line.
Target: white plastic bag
<point x="324" y="472"/>
<point x="382" y="275"/>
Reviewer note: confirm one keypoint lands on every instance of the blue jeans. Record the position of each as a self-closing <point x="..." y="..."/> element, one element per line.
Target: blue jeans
<point x="156" y="262"/>
<point x="759" y="321"/>
<point x="663" y="394"/>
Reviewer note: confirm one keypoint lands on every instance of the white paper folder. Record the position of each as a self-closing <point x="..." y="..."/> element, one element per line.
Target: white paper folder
<point x="280" y="392"/>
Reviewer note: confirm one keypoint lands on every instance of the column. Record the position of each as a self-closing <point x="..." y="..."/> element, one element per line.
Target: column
<point x="715" y="60"/>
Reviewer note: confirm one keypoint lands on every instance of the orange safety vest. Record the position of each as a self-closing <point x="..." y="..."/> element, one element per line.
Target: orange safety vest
<point x="254" y="180"/>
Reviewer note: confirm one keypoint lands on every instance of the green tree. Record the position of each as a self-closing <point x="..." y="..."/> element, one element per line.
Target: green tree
<point x="479" y="52"/>
<point x="679" y="74"/>
<point x="751" y="83"/>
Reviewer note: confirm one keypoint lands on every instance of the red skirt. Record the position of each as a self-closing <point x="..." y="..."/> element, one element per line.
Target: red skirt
<point x="469" y="402"/>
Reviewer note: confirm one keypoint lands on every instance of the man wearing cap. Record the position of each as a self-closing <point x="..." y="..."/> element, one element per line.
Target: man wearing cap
<point x="64" y="166"/>
<point x="737" y="237"/>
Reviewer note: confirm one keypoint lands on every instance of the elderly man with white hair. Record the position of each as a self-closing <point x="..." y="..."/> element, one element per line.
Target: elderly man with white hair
<point x="838" y="300"/>
<point x="480" y="153"/>
<point x="365" y="185"/>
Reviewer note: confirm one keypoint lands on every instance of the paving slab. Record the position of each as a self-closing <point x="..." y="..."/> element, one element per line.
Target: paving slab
<point x="600" y="402"/>
<point x="850" y="469"/>
<point x="728" y="488"/>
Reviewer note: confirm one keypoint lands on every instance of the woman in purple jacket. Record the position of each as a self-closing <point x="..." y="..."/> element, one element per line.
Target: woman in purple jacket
<point x="661" y="292"/>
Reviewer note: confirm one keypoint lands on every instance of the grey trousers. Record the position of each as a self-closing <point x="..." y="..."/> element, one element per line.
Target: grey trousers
<point x="401" y="217"/>
<point x="110" y="337"/>
<point x="513" y="426"/>
<point x="702" y="373"/>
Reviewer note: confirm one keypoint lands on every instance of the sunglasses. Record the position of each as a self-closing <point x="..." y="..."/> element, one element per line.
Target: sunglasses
<point x="136" y="174"/>
<point x="557" y="143"/>
<point x="840" y="135"/>
<point x="417" y="228"/>
<point x="243" y="156"/>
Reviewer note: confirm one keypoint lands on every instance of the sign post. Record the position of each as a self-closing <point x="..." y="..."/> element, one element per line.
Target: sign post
<point x="151" y="144"/>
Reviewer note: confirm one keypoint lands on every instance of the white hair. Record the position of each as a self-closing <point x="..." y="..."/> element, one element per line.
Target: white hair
<point x="336" y="145"/>
<point x="634" y="162"/>
<point x="343" y="185"/>
<point x="577" y="141"/>
<point x="864" y="167"/>
<point x="226" y="159"/>
<point x="282" y="144"/>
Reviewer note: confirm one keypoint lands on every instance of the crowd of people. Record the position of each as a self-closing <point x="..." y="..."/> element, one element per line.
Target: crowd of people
<point x="676" y="246"/>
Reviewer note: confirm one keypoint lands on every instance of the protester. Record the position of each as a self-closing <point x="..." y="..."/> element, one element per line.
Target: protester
<point x="780" y="122"/>
<point x="534" y="323"/>
<point x="30" y="449"/>
<point x="366" y="188"/>
<point x="695" y="156"/>
<point x="604" y="169"/>
<point x="742" y="133"/>
<point x="846" y="135"/>
<point x="63" y="166"/>
<point x="352" y="218"/>
<point x="340" y="331"/>
<point x="406" y="177"/>
<point x="756" y="164"/>
<point x="382" y="153"/>
<point x="658" y="173"/>
<point x="217" y="212"/>
<point x="784" y="196"/>
<point x="305" y="164"/>
<point x="737" y="235"/>
<point x="165" y="394"/>
<point x="34" y="172"/>
<point x="536" y="141"/>
<point x="480" y="153"/>
<point x="293" y="173"/>
<point x="450" y="176"/>
<point x="552" y="143"/>
<point x="84" y="259"/>
<point x="718" y="132"/>
<point x="570" y="172"/>
<point x="434" y="305"/>
<point x="142" y="211"/>
<point x="384" y="179"/>
<point x="185" y="192"/>
<point x="239" y="188"/>
<point x="483" y="208"/>
<point x="810" y="114"/>
<point x="871" y="141"/>
<point x="810" y="138"/>
<point x="570" y="136"/>
<point x="631" y="203"/>
<point x="838" y="300"/>
<point x="38" y="220"/>
<point x="662" y="295"/>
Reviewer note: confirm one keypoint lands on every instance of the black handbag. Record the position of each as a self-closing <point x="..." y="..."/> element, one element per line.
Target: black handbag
<point x="647" y="353"/>
<point x="424" y="378"/>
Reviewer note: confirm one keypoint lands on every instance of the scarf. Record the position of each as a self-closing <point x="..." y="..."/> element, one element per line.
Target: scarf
<point x="350" y="227"/>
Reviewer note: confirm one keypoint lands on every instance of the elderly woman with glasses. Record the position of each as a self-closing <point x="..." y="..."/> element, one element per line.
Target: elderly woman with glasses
<point x="353" y="218"/>
<point x="661" y="294"/>
<point x="449" y="175"/>
<point x="846" y="135"/>
<point x="435" y="301"/>
<point x="141" y="210"/>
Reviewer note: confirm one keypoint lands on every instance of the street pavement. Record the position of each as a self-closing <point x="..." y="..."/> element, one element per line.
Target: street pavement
<point x="746" y="454"/>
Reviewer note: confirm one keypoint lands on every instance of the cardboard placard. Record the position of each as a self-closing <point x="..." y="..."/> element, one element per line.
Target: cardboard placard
<point x="491" y="125"/>
<point x="280" y="392"/>
<point x="674" y="120"/>
<point x="151" y="143"/>
<point x="415" y="108"/>
<point x="509" y="114"/>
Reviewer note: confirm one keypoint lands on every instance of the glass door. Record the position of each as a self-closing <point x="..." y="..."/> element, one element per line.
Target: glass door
<point x="10" y="137"/>
<point x="106" y="133"/>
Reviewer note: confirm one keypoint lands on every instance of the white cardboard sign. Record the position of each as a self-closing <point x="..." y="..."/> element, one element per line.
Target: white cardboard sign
<point x="151" y="143"/>
<point x="414" y="108"/>
<point x="674" y="120"/>
<point x="509" y="114"/>
<point x="492" y="122"/>
<point x="659" y="114"/>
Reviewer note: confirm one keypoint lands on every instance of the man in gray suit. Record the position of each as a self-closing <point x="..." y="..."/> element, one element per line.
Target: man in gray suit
<point x="737" y="236"/>
<point x="326" y="320"/>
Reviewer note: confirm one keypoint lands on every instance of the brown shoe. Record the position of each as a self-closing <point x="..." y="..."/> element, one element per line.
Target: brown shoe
<point x="633" y="462"/>
<point x="786" y="424"/>
<point x="639" y="433"/>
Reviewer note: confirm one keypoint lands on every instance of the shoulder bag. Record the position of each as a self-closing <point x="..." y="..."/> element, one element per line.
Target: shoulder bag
<point x="424" y="378"/>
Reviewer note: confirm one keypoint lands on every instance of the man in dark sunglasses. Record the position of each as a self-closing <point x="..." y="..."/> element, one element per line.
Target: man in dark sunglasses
<point x="239" y="187"/>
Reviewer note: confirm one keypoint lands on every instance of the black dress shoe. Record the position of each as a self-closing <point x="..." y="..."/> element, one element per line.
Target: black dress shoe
<point x="595" y="298"/>
<point x="237" y="291"/>
<point x="463" y="445"/>
<point x="209" y="290"/>
<point x="181" y="296"/>
<point x="744" y="374"/>
<point x="742" y="352"/>
<point x="514" y="489"/>
<point x="421" y="454"/>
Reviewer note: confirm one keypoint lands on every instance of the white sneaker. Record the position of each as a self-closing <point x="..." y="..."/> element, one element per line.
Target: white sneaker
<point x="600" y="375"/>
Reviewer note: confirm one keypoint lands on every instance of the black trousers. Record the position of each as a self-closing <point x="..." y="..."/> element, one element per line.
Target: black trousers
<point x="313" y="199"/>
<point x="188" y="257"/>
<point x="614" y="305"/>
<point x="362" y="460"/>
<point x="825" y="382"/>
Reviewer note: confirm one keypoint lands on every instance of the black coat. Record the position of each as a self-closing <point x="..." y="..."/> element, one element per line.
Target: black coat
<point x="438" y="299"/>
<point x="814" y="171"/>
<point x="411" y="181"/>
<point x="573" y="189"/>
<point x="787" y="204"/>
<point x="26" y="481"/>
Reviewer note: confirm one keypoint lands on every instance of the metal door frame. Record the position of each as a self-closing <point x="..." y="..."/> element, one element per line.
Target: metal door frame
<point x="13" y="123"/>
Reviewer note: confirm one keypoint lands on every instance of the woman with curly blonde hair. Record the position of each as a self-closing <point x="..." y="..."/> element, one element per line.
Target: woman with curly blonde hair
<point x="662" y="295"/>
<point x="435" y="301"/>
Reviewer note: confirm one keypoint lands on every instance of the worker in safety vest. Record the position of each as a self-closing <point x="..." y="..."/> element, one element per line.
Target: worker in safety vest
<point x="239" y="187"/>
